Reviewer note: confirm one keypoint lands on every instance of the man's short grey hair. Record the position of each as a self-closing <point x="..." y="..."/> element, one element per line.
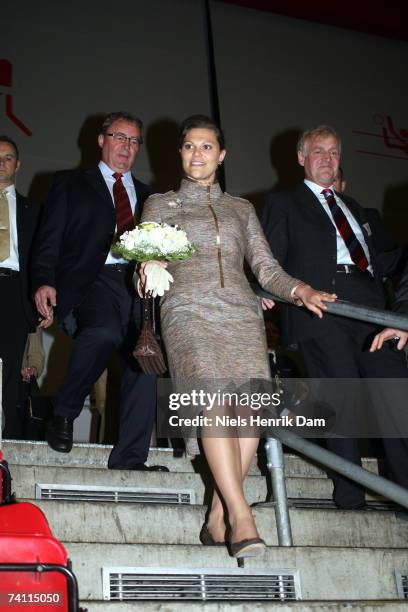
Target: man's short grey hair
<point x="320" y="130"/>
<point x="124" y="116"/>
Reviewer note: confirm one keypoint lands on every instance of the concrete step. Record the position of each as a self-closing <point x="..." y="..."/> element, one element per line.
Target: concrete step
<point x="323" y="573"/>
<point x="300" y="606"/>
<point x="96" y="456"/>
<point x="257" y="488"/>
<point x="103" y="522"/>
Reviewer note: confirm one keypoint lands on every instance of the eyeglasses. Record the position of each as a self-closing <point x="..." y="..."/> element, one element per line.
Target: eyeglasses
<point x="134" y="141"/>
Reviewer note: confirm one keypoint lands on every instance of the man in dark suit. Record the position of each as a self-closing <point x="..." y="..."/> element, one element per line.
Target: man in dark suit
<point x="75" y="271"/>
<point x="399" y="336"/>
<point x="383" y="242"/>
<point x="18" y="223"/>
<point x="326" y="240"/>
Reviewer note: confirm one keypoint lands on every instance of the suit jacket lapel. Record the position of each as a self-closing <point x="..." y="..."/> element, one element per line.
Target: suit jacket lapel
<point x="356" y="212"/>
<point x="311" y="202"/>
<point x="95" y="178"/>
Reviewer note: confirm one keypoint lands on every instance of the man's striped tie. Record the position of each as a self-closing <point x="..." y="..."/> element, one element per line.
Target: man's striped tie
<point x="124" y="215"/>
<point x="350" y="239"/>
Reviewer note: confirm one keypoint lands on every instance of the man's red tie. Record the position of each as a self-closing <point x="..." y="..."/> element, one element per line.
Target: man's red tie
<point x="124" y="215"/>
<point x="351" y="241"/>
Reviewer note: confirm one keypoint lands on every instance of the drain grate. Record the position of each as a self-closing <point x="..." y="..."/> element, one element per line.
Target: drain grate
<point x="402" y="583"/>
<point x="134" y="583"/>
<point x="100" y="493"/>
<point x="327" y="504"/>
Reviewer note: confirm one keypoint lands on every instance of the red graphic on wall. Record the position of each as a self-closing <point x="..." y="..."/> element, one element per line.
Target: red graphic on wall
<point x="6" y="80"/>
<point x="387" y="141"/>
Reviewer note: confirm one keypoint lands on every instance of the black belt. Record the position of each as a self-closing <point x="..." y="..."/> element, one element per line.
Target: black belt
<point x="9" y="272"/>
<point x="117" y="267"/>
<point x="351" y="269"/>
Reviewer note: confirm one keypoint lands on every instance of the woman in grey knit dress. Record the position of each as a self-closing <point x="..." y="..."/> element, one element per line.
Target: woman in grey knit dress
<point x="212" y="322"/>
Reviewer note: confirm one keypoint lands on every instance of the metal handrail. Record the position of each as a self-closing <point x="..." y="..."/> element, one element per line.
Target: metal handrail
<point x="368" y="479"/>
<point x="346" y="468"/>
<point x="275" y="465"/>
<point x="384" y="318"/>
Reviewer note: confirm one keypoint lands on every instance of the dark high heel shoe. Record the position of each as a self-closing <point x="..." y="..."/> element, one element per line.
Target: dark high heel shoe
<point x="252" y="547"/>
<point x="206" y="538"/>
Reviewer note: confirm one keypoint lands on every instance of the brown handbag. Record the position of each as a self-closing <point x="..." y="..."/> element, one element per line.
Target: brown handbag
<point x="148" y="351"/>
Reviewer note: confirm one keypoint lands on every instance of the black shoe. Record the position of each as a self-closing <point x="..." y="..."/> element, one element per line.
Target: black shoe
<point x="401" y="512"/>
<point x="149" y="468"/>
<point x="141" y="467"/>
<point x="59" y="434"/>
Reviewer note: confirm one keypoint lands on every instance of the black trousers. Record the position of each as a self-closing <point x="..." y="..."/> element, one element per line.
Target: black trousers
<point x="344" y="354"/>
<point x="109" y="318"/>
<point x="14" y="329"/>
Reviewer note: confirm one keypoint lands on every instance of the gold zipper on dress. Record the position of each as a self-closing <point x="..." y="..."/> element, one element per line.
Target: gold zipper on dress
<point x="217" y="229"/>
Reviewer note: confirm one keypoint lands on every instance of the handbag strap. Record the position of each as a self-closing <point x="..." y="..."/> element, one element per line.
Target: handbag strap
<point x="147" y="309"/>
<point x="149" y="312"/>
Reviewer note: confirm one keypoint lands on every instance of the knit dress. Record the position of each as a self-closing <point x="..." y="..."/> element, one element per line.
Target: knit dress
<point x="211" y="320"/>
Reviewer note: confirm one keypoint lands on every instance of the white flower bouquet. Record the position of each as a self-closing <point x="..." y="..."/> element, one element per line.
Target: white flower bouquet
<point x="155" y="242"/>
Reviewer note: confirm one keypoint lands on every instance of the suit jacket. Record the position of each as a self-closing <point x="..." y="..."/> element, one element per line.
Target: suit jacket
<point x="401" y="296"/>
<point x="303" y="239"/>
<point x="389" y="253"/>
<point x="76" y="235"/>
<point x="28" y="216"/>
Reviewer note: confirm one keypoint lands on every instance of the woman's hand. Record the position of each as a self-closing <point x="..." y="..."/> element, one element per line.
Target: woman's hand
<point x="267" y="304"/>
<point x="141" y="267"/>
<point x="154" y="277"/>
<point x="389" y="334"/>
<point x="312" y="299"/>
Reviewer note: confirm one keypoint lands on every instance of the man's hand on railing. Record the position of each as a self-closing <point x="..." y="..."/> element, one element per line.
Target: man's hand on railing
<point x="312" y="299"/>
<point x="401" y="338"/>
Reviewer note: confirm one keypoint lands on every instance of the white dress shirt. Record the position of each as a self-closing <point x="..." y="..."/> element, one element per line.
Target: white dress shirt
<point x="343" y="254"/>
<point x="12" y="261"/>
<point x="127" y="181"/>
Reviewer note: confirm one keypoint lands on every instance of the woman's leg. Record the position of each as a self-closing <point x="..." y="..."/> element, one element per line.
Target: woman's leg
<point x="229" y="460"/>
<point x="216" y="518"/>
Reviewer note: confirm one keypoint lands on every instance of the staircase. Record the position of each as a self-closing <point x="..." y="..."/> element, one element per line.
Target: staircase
<point x="134" y="535"/>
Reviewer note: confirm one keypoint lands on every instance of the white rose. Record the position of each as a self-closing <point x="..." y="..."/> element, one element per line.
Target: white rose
<point x="129" y="243"/>
<point x="156" y="237"/>
<point x="167" y="246"/>
<point x="179" y="239"/>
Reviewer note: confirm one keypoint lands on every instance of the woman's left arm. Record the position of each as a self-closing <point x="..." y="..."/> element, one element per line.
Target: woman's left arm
<point x="272" y="277"/>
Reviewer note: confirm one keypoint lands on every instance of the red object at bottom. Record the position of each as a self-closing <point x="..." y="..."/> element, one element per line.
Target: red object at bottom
<point x="35" y="572"/>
